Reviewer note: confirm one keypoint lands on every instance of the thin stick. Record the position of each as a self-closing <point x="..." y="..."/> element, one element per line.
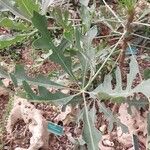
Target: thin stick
<point x="113" y="13"/>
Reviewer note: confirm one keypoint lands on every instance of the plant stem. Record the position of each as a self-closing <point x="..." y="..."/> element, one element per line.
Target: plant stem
<point x="117" y="17"/>
<point x="88" y="123"/>
<point x="90" y="81"/>
<point x="126" y="39"/>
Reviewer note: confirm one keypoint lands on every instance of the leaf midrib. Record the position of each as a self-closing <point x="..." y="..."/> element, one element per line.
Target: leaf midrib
<point x="13" y="10"/>
<point x="26" y="8"/>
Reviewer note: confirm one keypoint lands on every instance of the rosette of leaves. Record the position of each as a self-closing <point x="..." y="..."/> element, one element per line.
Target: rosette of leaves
<point x="87" y="58"/>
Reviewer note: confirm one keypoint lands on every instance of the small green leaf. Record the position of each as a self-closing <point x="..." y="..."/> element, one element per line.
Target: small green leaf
<point x="128" y="4"/>
<point x="6" y="41"/>
<point x="61" y="17"/>
<point x="10" y="24"/>
<point x="69" y="34"/>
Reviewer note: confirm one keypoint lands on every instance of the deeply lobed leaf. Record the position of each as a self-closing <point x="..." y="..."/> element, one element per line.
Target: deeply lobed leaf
<point x="106" y="86"/>
<point x="45" y="42"/>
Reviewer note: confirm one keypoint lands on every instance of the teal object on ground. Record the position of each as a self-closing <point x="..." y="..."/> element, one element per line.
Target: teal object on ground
<point x="131" y="50"/>
<point x="55" y="129"/>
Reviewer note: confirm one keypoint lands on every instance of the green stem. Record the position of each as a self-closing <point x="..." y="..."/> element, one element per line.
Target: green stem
<point x="93" y="78"/>
<point x="88" y="123"/>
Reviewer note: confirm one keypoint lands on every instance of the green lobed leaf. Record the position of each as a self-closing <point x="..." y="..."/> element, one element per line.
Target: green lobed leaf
<point x="111" y="118"/>
<point x="45" y="42"/>
<point x="40" y="80"/>
<point x="106" y="86"/>
<point x="44" y="95"/>
<point x="19" y="75"/>
<point x="64" y="61"/>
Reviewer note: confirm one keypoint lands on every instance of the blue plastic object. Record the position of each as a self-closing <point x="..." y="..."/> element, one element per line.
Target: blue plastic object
<point x="131" y="50"/>
<point x="55" y="129"/>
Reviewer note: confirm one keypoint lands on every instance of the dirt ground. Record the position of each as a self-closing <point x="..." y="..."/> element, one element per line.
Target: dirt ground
<point x="22" y="135"/>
